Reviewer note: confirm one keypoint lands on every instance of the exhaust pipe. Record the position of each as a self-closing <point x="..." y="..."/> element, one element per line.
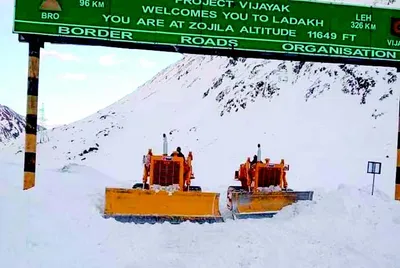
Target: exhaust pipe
<point x="165" y="145"/>
<point x="258" y="153"/>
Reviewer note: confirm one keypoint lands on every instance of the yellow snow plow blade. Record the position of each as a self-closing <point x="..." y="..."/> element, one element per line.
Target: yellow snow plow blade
<point x="149" y="206"/>
<point x="264" y="205"/>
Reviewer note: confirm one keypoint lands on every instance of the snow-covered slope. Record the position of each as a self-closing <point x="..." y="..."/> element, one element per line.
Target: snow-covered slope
<point x="12" y="125"/>
<point x="325" y="120"/>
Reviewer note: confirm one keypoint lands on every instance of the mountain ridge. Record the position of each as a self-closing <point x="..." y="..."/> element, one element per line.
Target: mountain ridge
<point x="207" y="104"/>
<point x="12" y="124"/>
<point x="302" y="112"/>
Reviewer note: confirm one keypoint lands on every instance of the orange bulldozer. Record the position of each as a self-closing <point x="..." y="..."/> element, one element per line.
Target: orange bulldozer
<point x="263" y="190"/>
<point x="165" y="194"/>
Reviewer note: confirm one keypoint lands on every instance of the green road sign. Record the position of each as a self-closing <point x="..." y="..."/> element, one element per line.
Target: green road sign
<point x="278" y="26"/>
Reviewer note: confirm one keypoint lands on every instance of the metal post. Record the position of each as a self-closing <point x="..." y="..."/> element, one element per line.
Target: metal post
<point x="165" y="145"/>
<point x="373" y="184"/>
<point x="397" y="187"/>
<point x="31" y="114"/>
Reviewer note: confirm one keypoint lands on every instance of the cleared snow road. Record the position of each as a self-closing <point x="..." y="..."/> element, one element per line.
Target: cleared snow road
<point x="58" y="224"/>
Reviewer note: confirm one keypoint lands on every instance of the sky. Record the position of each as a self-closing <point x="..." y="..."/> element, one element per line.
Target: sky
<point x="74" y="81"/>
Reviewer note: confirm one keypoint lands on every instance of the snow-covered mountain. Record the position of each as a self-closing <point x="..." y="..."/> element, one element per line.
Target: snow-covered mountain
<point x="325" y="120"/>
<point x="12" y="124"/>
<point x="300" y="111"/>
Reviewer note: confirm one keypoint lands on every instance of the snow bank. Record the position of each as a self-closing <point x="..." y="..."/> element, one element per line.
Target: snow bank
<point x="58" y="224"/>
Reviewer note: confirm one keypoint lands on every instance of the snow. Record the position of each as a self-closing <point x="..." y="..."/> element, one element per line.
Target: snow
<point x="11" y="124"/>
<point x="326" y="139"/>
<point x="58" y="224"/>
<point x="220" y="109"/>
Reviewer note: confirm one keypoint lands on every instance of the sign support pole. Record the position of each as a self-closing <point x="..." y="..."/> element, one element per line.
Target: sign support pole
<point x="397" y="186"/>
<point x="374" y="168"/>
<point x="31" y="113"/>
<point x="373" y="184"/>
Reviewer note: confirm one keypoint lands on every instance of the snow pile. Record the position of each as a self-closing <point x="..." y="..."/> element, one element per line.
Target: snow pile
<point x="269" y="189"/>
<point x="58" y="223"/>
<point x="169" y="189"/>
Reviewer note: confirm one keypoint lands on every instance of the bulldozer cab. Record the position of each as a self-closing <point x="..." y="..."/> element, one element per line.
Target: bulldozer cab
<point x="266" y="175"/>
<point x="163" y="170"/>
<point x="166" y="171"/>
<point x="262" y="175"/>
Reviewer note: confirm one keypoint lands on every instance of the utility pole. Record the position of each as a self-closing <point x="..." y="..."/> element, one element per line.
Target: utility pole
<point x="42" y="122"/>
